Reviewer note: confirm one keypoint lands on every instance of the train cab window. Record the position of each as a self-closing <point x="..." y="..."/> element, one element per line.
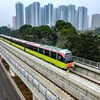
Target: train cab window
<point x="60" y="58"/>
<point x="53" y="55"/>
<point x="68" y="57"/>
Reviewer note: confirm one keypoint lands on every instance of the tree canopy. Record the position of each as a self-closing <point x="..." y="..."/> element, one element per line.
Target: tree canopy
<point x="4" y="30"/>
<point x="24" y="27"/>
<point x="66" y="31"/>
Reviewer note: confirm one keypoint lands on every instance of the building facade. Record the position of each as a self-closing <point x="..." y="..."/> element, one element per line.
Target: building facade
<point x="42" y="16"/>
<point x="27" y="15"/>
<point x="33" y="14"/>
<point x="14" y="22"/>
<point x="95" y="20"/>
<point x="19" y="15"/>
<point x="71" y="12"/>
<point x="82" y="18"/>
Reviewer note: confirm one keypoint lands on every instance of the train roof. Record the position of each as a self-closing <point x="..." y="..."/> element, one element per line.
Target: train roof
<point x="52" y="48"/>
<point x="5" y="36"/>
<point x="33" y="44"/>
<point x="23" y="41"/>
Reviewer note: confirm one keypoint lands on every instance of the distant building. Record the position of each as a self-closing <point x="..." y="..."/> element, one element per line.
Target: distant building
<point x="87" y="22"/>
<point x="71" y="14"/>
<point x="82" y="18"/>
<point x="76" y="19"/>
<point x="50" y="10"/>
<point x="55" y="16"/>
<point x="27" y="15"/>
<point x="62" y="13"/>
<point x="14" y="22"/>
<point x="42" y="16"/>
<point x="36" y="14"/>
<point x="48" y="14"/>
<point x="19" y="15"/>
<point x="33" y="14"/>
<point x="95" y="20"/>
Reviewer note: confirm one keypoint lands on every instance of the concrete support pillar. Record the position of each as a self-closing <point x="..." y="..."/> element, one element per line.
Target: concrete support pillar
<point x="12" y="72"/>
<point x="34" y="97"/>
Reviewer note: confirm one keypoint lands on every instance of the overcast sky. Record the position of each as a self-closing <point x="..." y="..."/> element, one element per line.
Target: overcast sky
<point x="7" y="7"/>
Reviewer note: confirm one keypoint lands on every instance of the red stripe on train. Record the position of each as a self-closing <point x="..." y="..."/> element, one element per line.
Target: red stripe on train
<point x="69" y="65"/>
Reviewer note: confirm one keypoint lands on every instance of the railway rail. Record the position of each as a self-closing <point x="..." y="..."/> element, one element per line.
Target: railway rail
<point x="86" y="77"/>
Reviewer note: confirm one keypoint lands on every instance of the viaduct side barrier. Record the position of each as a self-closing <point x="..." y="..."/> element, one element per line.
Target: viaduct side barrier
<point x="87" y="67"/>
<point x="49" y="72"/>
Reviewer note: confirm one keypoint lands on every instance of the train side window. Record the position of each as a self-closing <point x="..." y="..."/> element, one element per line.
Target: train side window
<point x="47" y="52"/>
<point x="41" y="50"/>
<point x="60" y="58"/>
<point x="53" y="55"/>
<point x="28" y="46"/>
<point x="34" y="48"/>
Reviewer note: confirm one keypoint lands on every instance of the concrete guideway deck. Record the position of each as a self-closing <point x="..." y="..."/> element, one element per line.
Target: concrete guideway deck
<point x="89" y="86"/>
<point x="92" y="73"/>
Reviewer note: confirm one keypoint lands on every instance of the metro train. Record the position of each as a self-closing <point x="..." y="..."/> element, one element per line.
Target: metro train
<point x="61" y="58"/>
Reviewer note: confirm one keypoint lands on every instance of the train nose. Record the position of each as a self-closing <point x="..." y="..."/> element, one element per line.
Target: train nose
<point x="70" y="65"/>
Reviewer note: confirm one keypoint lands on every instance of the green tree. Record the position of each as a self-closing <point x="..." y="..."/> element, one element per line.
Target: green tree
<point x="27" y="34"/>
<point x="44" y="35"/>
<point x="4" y="30"/>
<point x="59" y="25"/>
<point x="14" y="33"/>
<point x="24" y="27"/>
<point x="88" y="48"/>
<point x="65" y="35"/>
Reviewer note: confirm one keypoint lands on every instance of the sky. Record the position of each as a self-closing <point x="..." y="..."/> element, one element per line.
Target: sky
<point x="7" y="7"/>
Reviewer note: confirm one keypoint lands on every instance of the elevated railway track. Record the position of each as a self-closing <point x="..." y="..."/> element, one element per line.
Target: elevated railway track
<point x="69" y="83"/>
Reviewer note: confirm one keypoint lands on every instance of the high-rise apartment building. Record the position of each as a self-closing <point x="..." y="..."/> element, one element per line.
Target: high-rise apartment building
<point x="19" y="15"/>
<point x="82" y="18"/>
<point x="27" y="15"/>
<point x="87" y="22"/>
<point x="33" y="14"/>
<point x="36" y="14"/>
<point x="48" y="14"/>
<point x="42" y="16"/>
<point x="76" y="19"/>
<point x="50" y="8"/>
<point x="55" y="16"/>
<point x="14" y="22"/>
<point x="62" y="13"/>
<point x="95" y="20"/>
<point x="71" y="12"/>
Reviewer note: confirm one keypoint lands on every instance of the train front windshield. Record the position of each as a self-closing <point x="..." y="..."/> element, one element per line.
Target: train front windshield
<point x="68" y="57"/>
